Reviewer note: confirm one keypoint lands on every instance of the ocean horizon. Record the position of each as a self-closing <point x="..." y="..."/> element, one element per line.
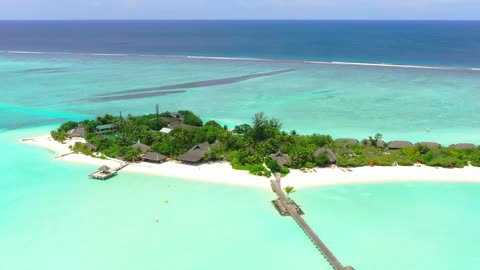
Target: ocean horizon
<point x="409" y="80"/>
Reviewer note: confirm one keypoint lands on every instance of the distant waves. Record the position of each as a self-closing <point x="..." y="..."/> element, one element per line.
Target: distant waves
<point x="193" y="57"/>
<point x="175" y="88"/>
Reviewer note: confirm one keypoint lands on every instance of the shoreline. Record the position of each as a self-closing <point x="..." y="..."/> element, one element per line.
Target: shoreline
<point x="223" y="173"/>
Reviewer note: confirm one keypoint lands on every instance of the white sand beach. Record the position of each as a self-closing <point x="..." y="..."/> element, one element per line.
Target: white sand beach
<point x="222" y="172"/>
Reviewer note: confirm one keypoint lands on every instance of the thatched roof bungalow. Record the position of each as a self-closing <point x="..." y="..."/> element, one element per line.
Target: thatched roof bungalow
<point x="281" y="158"/>
<point x="195" y="154"/>
<point x="462" y="146"/>
<point x="399" y="144"/>
<point x="154" y="157"/>
<point x="171" y="120"/>
<point x="76" y="132"/>
<point x="380" y="143"/>
<point x="347" y="141"/>
<point x="330" y="154"/>
<point x="431" y="145"/>
<point x="140" y="146"/>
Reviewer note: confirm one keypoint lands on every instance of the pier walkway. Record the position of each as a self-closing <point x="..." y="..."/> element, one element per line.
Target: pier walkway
<point x="295" y="211"/>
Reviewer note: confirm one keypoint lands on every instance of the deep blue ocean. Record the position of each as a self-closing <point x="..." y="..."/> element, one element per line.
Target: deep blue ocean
<point x="438" y="43"/>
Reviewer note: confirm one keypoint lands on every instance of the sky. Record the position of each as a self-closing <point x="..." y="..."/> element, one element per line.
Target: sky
<point x="241" y="9"/>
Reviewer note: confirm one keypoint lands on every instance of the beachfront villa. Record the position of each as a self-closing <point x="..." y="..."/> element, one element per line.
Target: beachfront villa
<point x="431" y="145"/>
<point x="462" y="146"/>
<point x="141" y="147"/>
<point x="399" y="144"/>
<point x="281" y="158"/>
<point x="78" y="132"/>
<point x="332" y="157"/>
<point x="350" y="141"/>
<point x="154" y="157"/>
<point x="195" y="154"/>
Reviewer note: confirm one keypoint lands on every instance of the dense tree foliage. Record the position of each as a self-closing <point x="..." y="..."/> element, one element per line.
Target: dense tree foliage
<point x="248" y="146"/>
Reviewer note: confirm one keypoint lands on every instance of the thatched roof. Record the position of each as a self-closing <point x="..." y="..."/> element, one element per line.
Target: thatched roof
<point x="180" y="125"/>
<point x="104" y="168"/>
<point x="347" y="140"/>
<point x="431" y="145"/>
<point x="171" y="120"/>
<point x="195" y="154"/>
<point x="399" y="144"/>
<point x="153" y="157"/>
<point x="77" y="132"/>
<point x="140" y="146"/>
<point x="330" y="154"/>
<point x="281" y="158"/>
<point x="463" y="146"/>
<point x="90" y="146"/>
<point x="380" y="143"/>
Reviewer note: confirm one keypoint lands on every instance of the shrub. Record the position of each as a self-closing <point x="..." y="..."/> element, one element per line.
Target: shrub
<point x="284" y="171"/>
<point x="322" y="159"/>
<point x="191" y="119"/>
<point x="272" y="164"/>
<point x="309" y="165"/>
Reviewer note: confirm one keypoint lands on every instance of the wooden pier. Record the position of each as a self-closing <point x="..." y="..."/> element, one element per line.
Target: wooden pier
<point x="292" y="209"/>
<point x="105" y="172"/>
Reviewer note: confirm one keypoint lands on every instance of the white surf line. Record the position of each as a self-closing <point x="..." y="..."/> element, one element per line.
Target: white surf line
<point x="252" y="59"/>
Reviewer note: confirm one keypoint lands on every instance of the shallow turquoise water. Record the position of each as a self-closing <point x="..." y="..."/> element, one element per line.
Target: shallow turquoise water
<point x="344" y="101"/>
<point x="52" y="214"/>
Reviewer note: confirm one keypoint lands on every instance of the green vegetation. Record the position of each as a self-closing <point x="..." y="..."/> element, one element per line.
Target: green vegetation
<point x="249" y="146"/>
<point x="289" y="190"/>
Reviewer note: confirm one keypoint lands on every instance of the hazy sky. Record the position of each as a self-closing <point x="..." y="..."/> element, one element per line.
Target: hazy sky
<point x="240" y="9"/>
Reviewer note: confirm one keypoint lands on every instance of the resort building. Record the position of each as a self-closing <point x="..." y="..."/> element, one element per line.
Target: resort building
<point x="399" y="144"/>
<point x="332" y="157"/>
<point x="140" y="146"/>
<point x="78" y="132"/>
<point x="281" y="158"/>
<point x="461" y="146"/>
<point x="154" y="157"/>
<point x="431" y="145"/>
<point x="195" y="154"/>
<point x="107" y="128"/>
<point x="89" y="146"/>
<point x="348" y="141"/>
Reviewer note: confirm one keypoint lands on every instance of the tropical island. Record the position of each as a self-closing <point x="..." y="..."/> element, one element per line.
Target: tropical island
<point x="181" y="145"/>
<point x="261" y="147"/>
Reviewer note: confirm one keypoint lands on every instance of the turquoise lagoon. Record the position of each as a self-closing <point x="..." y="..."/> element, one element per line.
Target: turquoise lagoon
<point x="53" y="217"/>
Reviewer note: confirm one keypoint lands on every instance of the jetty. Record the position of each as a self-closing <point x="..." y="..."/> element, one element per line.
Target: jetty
<point x="287" y="207"/>
<point x="104" y="172"/>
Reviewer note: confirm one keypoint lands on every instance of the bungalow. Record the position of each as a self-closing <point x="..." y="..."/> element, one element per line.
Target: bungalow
<point x="154" y="157"/>
<point x="431" y="145"/>
<point x="76" y="132"/>
<point x="399" y="144"/>
<point x="461" y="146"/>
<point x="140" y="146"/>
<point x="380" y="143"/>
<point x="107" y="128"/>
<point x="332" y="158"/>
<point x="281" y="158"/>
<point x="89" y="146"/>
<point x="195" y="154"/>
<point x="347" y="141"/>
<point x="171" y="120"/>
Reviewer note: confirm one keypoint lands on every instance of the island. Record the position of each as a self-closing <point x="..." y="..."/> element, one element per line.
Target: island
<point x="260" y="148"/>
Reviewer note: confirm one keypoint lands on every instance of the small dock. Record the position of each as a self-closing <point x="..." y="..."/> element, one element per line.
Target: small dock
<point x="287" y="206"/>
<point x="105" y="172"/>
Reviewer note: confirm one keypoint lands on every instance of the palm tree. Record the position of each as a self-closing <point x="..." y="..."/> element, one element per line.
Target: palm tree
<point x="288" y="190"/>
